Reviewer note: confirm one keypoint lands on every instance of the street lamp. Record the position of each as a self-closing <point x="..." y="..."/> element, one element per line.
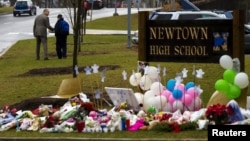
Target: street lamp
<point x="115" y="14"/>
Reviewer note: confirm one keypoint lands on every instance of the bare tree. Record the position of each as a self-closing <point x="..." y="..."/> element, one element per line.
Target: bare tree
<point x="75" y="20"/>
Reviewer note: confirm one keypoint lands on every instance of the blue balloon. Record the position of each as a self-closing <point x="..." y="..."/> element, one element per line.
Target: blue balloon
<point x="171" y="84"/>
<point x="177" y="94"/>
<point x="189" y="85"/>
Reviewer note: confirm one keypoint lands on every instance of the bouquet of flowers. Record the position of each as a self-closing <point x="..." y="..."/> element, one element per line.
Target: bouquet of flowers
<point x="218" y="114"/>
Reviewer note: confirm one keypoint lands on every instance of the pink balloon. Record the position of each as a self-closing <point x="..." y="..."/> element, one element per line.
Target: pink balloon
<point x="168" y="107"/>
<point x="191" y="91"/>
<point x="171" y="99"/>
<point x="178" y="105"/>
<point x="180" y="87"/>
<point x="187" y="99"/>
<point x="198" y="104"/>
<point x="166" y="93"/>
<point x="195" y="105"/>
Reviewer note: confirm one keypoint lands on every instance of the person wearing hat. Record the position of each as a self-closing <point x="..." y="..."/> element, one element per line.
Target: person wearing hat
<point x="61" y="32"/>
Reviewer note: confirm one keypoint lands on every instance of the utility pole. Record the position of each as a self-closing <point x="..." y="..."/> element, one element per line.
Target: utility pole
<point x="115" y="14"/>
<point x="137" y="4"/>
<point x="129" y="24"/>
<point x="92" y="6"/>
<point x="173" y="4"/>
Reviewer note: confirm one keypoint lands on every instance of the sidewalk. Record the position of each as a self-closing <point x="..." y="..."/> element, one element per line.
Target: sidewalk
<point x="108" y="32"/>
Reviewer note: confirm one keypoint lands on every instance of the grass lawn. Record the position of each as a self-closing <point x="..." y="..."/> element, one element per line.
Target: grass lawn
<point x="96" y="49"/>
<point x="6" y="9"/>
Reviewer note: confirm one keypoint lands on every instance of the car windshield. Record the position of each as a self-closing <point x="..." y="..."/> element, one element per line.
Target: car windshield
<point x="21" y="3"/>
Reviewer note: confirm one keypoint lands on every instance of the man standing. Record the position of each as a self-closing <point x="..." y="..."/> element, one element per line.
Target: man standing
<point x="40" y="27"/>
<point x="61" y="33"/>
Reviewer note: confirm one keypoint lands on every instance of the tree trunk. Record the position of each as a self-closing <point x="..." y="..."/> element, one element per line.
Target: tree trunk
<point x="77" y="22"/>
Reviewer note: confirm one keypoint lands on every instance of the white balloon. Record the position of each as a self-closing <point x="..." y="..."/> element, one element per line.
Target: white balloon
<point x="157" y="88"/>
<point x="168" y="107"/>
<point x="139" y="97"/>
<point x="134" y="79"/>
<point x="148" y="94"/>
<point x="145" y="82"/>
<point x="153" y="73"/>
<point x="226" y="62"/>
<point x="160" y="102"/>
<point x="157" y="101"/>
<point x="148" y="102"/>
<point x="241" y="79"/>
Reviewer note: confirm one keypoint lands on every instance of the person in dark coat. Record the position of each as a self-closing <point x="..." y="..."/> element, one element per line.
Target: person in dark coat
<point x="61" y="37"/>
<point x="40" y="27"/>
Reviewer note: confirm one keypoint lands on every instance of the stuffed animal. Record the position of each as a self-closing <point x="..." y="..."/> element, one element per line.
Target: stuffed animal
<point x="141" y="114"/>
<point x="25" y="123"/>
<point x="236" y="114"/>
<point x="137" y="125"/>
<point x="44" y="110"/>
<point x="93" y="114"/>
<point x="89" y="122"/>
<point x="36" y="124"/>
<point x="66" y="126"/>
<point x="115" y="121"/>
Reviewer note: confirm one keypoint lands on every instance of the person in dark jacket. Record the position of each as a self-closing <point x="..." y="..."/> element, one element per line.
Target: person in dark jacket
<point x="61" y="37"/>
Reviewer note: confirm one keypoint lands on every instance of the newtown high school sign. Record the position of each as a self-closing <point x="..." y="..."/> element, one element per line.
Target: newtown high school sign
<point x="204" y="40"/>
<point x="192" y="40"/>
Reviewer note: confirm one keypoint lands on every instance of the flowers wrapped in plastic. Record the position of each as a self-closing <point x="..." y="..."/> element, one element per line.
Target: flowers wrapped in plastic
<point x="218" y="114"/>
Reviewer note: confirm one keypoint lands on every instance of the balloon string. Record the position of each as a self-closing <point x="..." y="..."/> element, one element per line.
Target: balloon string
<point x="160" y="94"/>
<point x="194" y="88"/>
<point x="194" y="95"/>
<point x="92" y="89"/>
<point x="184" y="99"/>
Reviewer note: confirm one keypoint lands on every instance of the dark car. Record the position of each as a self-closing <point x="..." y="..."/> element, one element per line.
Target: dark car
<point x="24" y="7"/>
<point x="96" y="4"/>
<point x="247" y="38"/>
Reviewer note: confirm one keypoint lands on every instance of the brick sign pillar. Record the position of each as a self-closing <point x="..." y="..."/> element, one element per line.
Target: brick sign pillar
<point x="142" y="24"/>
<point x="238" y="37"/>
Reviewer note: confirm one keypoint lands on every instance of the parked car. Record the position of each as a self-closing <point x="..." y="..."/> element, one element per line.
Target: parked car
<point x="97" y="4"/>
<point x="184" y="15"/>
<point x="4" y="3"/>
<point x="24" y="7"/>
<point x="247" y="38"/>
<point x="229" y="14"/>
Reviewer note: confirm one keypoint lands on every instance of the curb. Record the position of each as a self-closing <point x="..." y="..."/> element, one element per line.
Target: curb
<point x="93" y="139"/>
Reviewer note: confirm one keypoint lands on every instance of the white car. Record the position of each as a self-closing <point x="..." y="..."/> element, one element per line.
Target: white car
<point x="184" y="15"/>
<point x="4" y="3"/>
<point x="179" y="15"/>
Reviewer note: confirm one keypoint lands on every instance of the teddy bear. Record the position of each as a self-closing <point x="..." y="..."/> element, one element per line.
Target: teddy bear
<point x="89" y="122"/>
<point x="66" y="126"/>
<point x="36" y="124"/>
<point x="114" y="122"/>
<point x="25" y="123"/>
<point x="44" y="110"/>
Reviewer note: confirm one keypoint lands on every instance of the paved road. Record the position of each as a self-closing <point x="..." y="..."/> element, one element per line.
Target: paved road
<point x="13" y="29"/>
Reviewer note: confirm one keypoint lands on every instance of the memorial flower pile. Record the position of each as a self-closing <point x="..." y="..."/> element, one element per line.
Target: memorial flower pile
<point x="218" y="114"/>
